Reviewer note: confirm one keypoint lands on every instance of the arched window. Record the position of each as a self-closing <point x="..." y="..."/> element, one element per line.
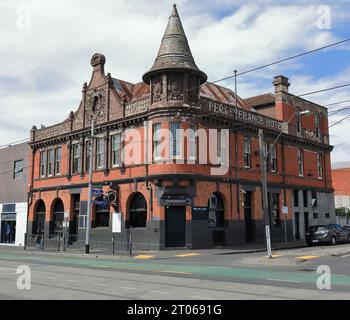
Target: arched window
<point x="138" y="211"/>
<point x="216" y="210"/>
<point x="102" y="216"/>
<point x="39" y="220"/>
<point x="58" y="216"/>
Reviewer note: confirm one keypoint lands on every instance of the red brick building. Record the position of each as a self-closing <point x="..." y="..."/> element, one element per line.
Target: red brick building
<point x="183" y="202"/>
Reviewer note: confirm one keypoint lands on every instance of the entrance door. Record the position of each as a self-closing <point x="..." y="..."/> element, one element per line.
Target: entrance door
<point x="306" y="221"/>
<point x="249" y="235"/>
<point x="297" y="225"/>
<point x="175" y="226"/>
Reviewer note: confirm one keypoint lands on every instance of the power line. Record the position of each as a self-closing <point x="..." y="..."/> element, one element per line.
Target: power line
<point x="333" y="104"/>
<point x="324" y="90"/>
<point x="284" y="60"/>
<point x="340" y="121"/>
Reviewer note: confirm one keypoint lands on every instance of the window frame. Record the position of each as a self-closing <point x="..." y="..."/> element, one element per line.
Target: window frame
<point x="114" y="156"/>
<point x="273" y="158"/>
<point x="320" y="165"/>
<point x="50" y="162"/>
<point x="100" y="155"/>
<point x="175" y="145"/>
<point x="300" y="162"/>
<point x="192" y="142"/>
<point x="57" y="160"/>
<point x="76" y="157"/>
<point x="157" y="140"/>
<point x="42" y="163"/>
<point x="18" y="172"/>
<point x="247" y="153"/>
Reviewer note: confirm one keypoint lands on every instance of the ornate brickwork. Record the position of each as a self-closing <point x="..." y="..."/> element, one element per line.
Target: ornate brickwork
<point x="96" y="104"/>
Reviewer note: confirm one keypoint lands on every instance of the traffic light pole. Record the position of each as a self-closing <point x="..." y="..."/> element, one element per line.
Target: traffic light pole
<point x="264" y="193"/>
<point x="89" y="204"/>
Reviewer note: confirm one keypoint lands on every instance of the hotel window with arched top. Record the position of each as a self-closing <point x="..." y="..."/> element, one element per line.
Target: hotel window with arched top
<point x="138" y="211"/>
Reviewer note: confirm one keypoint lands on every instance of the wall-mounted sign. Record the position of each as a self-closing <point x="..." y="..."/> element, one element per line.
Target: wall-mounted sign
<point x="285" y="210"/>
<point x="8" y="217"/>
<point x="240" y="114"/>
<point x="176" y="201"/>
<point x="200" y="213"/>
<point x="116" y="222"/>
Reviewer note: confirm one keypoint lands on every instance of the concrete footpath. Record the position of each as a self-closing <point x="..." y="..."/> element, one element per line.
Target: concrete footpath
<point x="170" y="252"/>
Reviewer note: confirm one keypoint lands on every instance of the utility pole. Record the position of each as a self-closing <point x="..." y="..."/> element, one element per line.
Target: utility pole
<point x="89" y="206"/>
<point x="264" y="193"/>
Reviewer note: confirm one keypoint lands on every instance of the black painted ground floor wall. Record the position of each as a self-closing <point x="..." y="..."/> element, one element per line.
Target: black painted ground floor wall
<point x="197" y="235"/>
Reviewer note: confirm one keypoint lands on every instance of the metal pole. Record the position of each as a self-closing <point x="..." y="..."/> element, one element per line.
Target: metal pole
<point x="285" y="228"/>
<point x="264" y="193"/>
<point x="89" y="206"/>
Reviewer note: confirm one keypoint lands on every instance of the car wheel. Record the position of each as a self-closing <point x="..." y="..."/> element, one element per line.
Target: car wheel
<point x="333" y="241"/>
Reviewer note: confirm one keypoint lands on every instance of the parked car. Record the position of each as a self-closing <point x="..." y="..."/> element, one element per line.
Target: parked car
<point x="347" y="227"/>
<point x="330" y="234"/>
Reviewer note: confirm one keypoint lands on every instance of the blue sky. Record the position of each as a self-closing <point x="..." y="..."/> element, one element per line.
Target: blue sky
<point x="46" y="48"/>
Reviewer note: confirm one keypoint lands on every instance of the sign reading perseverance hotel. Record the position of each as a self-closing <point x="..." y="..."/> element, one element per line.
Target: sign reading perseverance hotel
<point x="241" y="115"/>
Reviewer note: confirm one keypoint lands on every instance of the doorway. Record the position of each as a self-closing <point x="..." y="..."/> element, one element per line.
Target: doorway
<point x="249" y="233"/>
<point x="297" y="225"/>
<point x="8" y="231"/>
<point x="175" y="226"/>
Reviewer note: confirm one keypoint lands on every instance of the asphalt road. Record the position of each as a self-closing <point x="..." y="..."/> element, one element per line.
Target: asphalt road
<point x="207" y="275"/>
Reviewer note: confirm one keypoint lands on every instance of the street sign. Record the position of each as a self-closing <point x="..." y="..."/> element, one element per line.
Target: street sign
<point x="117" y="222"/>
<point x="268" y="241"/>
<point x="97" y="192"/>
<point x="99" y="203"/>
<point x="285" y="210"/>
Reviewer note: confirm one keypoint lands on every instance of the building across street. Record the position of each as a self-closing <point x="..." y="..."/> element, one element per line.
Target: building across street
<point x="14" y="173"/>
<point x="182" y="155"/>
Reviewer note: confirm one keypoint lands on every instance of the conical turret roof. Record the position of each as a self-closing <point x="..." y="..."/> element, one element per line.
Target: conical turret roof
<point x="174" y="52"/>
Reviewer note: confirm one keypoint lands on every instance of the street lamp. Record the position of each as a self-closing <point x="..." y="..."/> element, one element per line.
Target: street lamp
<point x="89" y="204"/>
<point x="263" y="160"/>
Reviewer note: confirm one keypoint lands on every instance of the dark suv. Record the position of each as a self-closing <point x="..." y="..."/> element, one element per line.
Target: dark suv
<point x="330" y="233"/>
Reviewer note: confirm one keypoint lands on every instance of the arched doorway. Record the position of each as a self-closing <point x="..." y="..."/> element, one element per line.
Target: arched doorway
<point x="58" y="216"/>
<point x="216" y="218"/>
<point x="138" y="211"/>
<point x="39" y="218"/>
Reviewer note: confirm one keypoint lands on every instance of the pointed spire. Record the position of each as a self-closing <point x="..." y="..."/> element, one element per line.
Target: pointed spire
<point x="174" y="52"/>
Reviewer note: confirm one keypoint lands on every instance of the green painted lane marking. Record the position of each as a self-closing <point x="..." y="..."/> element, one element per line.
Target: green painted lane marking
<point x="184" y="269"/>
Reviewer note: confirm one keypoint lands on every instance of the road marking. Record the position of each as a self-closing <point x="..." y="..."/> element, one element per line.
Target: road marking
<point x="169" y="271"/>
<point x="143" y="256"/>
<point x="128" y="288"/>
<point x="75" y="281"/>
<point x="52" y="278"/>
<point x="307" y="257"/>
<point x="187" y="255"/>
<point x="160" y="292"/>
<point x="345" y="256"/>
<point x="200" y="297"/>
<point x="100" y="284"/>
<point x="274" y="256"/>
<point x="293" y="281"/>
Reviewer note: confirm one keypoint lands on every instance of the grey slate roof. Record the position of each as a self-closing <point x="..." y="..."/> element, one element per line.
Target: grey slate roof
<point x="174" y="52"/>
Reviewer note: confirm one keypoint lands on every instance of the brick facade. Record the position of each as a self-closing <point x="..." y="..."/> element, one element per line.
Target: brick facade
<point x="179" y="93"/>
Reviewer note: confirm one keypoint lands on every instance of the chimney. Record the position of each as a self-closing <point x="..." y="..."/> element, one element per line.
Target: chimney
<point x="281" y="84"/>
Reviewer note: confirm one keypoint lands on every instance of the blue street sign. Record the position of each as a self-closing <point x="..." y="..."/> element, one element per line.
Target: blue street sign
<point x="99" y="203"/>
<point x="97" y="192"/>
